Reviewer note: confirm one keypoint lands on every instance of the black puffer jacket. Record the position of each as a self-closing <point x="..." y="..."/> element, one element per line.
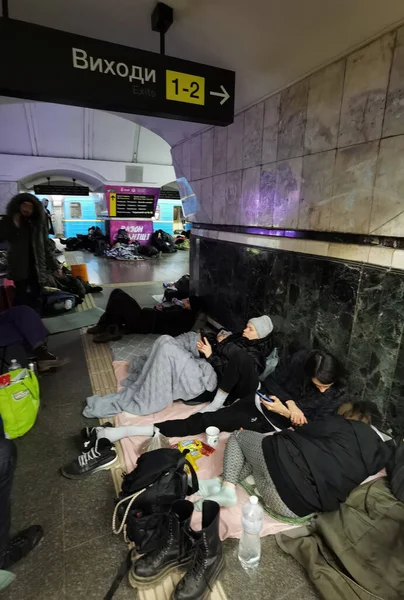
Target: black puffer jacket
<point x="255" y="350"/>
<point x="28" y="245"/>
<point x="290" y="382"/>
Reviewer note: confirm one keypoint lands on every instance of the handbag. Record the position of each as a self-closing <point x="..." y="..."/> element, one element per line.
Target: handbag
<point x="19" y="402"/>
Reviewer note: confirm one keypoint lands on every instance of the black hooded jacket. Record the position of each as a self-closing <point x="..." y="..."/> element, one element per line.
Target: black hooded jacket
<point x="316" y="467"/>
<point x="29" y="246"/>
<point x="290" y="382"/>
<point x="255" y="350"/>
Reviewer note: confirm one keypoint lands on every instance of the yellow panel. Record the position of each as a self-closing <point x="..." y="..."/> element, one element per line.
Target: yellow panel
<point x="182" y="87"/>
<point x="112" y="204"/>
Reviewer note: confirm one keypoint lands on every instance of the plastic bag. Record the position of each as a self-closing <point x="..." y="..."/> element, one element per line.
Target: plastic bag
<point x="19" y="403"/>
<point x="156" y="442"/>
<point x="270" y="364"/>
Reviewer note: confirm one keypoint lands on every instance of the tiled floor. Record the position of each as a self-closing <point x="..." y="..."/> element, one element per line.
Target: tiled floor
<point x="79" y="556"/>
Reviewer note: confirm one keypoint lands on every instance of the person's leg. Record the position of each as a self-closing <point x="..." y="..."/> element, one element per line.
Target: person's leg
<point x="242" y="414"/>
<point x="239" y="379"/>
<point x="29" y="325"/>
<point x="121" y="309"/>
<point x="8" y="458"/>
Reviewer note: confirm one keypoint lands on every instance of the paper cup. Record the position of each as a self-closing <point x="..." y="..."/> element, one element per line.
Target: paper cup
<point x="212" y="436"/>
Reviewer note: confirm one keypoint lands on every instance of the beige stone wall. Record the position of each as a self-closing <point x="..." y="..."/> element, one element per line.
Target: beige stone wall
<point x="325" y="154"/>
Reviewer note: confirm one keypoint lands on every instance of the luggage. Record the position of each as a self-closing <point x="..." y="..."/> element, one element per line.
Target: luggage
<point x="19" y="402"/>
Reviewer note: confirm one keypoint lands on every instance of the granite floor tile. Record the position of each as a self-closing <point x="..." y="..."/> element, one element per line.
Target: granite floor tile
<point x="92" y="566"/>
<point x="88" y="506"/>
<point x="278" y="574"/>
<point x="38" y="579"/>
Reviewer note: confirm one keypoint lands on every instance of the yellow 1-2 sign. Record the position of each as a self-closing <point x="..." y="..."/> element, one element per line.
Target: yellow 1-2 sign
<point x="182" y="87"/>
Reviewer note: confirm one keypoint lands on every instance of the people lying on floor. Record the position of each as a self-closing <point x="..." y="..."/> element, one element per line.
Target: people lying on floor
<point x="174" y="370"/>
<point x="89" y="241"/>
<point x="309" y="470"/>
<point x="238" y="360"/>
<point x="124" y="315"/>
<point x="30" y="251"/>
<point x="12" y="549"/>
<point x="255" y="412"/>
<point x="22" y="326"/>
<point x="64" y="280"/>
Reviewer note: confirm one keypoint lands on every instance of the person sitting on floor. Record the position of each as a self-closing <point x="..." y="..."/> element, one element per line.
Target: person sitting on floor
<point x="12" y="549"/>
<point x="123" y="314"/>
<point x="312" y="469"/>
<point x="21" y="325"/>
<point x="238" y="360"/>
<point x="254" y="413"/>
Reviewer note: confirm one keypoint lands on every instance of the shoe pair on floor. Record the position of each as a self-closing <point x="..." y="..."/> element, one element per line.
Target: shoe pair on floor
<point x="97" y="455"/>
<point x="105" y="333"/>
<point x="198" y="553"/>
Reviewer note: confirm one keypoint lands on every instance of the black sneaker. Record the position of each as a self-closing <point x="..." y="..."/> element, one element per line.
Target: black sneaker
<point x="89" y="435"/>
<point x="46" y="360"/>
<point x="99" y="458"/>
<point x="21" y="545"/>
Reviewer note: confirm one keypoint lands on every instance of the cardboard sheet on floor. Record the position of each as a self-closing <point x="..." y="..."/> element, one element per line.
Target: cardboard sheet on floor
<point x="212" y="466"/>
<point x="72" y="320"/>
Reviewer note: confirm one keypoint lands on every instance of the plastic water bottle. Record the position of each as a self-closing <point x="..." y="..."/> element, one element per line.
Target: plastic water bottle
<point x="14" y="365"/>
<point x="249" y="551"/>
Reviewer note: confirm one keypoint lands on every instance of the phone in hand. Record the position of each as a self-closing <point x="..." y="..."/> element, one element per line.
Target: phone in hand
<point x="202" y="333"/>
<point x="263" y="397"/>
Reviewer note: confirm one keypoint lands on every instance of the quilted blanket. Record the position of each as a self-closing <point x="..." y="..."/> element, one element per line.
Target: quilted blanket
<point x="172" y="370"/>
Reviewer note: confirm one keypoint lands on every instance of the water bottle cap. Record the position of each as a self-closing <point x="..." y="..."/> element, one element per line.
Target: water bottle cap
<point x="253" y="500"/>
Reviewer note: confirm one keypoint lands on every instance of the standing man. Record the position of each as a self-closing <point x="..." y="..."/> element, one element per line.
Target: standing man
<point x="30" y="251"/>
<point x="45" y="204"/>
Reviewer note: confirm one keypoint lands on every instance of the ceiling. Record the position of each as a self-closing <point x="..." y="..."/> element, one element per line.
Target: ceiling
<point x="38" y="129"/>
<point x="269" y="43"/>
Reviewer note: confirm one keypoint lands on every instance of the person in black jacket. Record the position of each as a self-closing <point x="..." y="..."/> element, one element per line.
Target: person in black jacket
<point x="123" y="314"/>
<point x="30" y="253"/>
<point x="309" y="384"/>
<point x="238" y="360"/>
<point x="312" y="469"/>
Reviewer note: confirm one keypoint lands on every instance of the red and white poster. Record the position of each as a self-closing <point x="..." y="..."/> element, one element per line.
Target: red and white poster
<point x="139" y="231"/>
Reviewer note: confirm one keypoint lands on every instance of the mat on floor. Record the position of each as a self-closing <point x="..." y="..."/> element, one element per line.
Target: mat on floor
<point x="212" y="466"/>
<point x="72" y="320"/>
<point x="131" y="346"/>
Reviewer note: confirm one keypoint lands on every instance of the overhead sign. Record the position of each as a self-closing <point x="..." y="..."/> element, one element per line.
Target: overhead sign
<point x="44" y="64"/>
<point x="131" y="202"/>
<point x="61" y="190"/>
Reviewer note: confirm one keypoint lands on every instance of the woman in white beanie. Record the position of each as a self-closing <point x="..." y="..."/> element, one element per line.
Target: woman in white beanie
<point x="238" y="360"/>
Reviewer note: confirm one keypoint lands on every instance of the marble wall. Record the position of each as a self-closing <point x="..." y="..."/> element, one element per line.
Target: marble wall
<point x="354" y="310"/>
<point x="325" y="154"/>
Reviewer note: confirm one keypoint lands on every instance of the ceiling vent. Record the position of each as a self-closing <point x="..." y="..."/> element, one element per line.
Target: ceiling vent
<point x="133" y="174"/>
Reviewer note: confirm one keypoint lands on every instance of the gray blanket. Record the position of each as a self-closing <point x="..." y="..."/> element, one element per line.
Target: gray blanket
<point x="171" y="371"/>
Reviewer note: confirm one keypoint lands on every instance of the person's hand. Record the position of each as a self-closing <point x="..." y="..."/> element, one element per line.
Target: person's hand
<point x="17" y="219"/>
<point x="276" y="406"/>
<point x="222" y="337"/>
<point x="204" y="347"/>
<point x="296" y="415"/>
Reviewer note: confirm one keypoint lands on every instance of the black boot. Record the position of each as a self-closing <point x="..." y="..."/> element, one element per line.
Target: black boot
<point x="207" y="562"/>
<point x="175" y="550"/>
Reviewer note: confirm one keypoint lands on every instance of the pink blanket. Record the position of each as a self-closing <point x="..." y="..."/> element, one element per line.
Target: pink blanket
<point x="212" y="466"/>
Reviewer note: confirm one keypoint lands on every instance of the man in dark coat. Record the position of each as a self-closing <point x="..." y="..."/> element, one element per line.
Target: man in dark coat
<point x="30" y="251"/>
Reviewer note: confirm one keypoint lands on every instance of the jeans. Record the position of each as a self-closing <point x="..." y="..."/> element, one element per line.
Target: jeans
<point x="8" y="459"/>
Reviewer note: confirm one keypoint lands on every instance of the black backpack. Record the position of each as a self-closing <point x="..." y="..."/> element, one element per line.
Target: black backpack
<point x="145" y="501"/>
<point x="147" y="495"/>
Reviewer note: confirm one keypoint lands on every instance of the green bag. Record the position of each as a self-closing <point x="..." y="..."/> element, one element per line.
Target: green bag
<point x="19" y="403"/>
